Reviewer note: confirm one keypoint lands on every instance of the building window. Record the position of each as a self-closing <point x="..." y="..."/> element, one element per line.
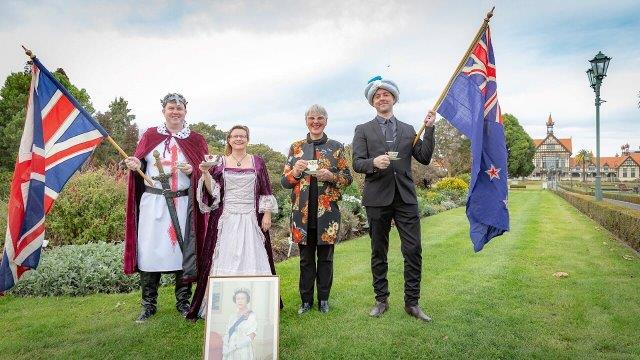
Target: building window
<point x="633" y="172"/>
<point x="624" y="172"/>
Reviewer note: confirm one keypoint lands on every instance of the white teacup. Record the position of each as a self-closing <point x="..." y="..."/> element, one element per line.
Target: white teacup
<point x="211" y="159"/>
<point x="312" y="165"/>
<point x="392" y="154"/>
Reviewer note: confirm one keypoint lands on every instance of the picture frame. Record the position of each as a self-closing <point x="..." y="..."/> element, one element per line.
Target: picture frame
<point x="242" y="319"/>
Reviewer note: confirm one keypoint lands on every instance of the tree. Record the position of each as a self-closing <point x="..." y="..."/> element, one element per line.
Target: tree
<point x="453" y="150"/>
<point x="273" y="160"/>
<point x="520" y="148"/>
<point x="216" y="138"/>
<point x="13" y="101"/>
<point x="118" y="122"/>
<point x="583" y="157"/>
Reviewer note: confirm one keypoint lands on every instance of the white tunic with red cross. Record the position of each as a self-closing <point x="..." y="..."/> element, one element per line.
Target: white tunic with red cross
<point x="158" y="247"/>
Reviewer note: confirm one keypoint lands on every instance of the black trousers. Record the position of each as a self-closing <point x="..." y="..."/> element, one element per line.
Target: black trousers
<point x="149" y="283"/>
<point x="408" y="224"/>
<point x="322" y="274"/>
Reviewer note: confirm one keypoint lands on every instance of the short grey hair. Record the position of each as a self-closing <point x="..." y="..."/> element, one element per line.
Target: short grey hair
<point x="318" y="109"/>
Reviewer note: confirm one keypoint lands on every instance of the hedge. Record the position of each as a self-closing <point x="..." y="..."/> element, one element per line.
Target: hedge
<point x="623" y="197"/>
<point x="635" y="199"/>
<point x="622" y="222"/>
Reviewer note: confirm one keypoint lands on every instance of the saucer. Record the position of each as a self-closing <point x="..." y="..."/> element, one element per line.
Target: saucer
<point x="312" y="173"/>
<point x="394" y="158"/>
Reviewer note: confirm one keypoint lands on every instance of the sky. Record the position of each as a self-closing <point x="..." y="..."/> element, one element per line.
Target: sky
<point x="263" y="63"/>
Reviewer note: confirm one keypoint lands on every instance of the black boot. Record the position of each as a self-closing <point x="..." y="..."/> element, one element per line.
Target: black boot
<point x="183" y="294"/>
<point x="149" y="282"/>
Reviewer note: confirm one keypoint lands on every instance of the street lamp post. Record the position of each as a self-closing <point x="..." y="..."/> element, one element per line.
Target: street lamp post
<point x="599" y="66"/>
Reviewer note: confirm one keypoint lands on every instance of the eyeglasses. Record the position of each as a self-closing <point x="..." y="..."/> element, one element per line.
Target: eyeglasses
<point x="238" y="136"/>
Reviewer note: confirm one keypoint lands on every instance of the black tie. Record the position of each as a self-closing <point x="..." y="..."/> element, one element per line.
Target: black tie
<point x="388" y="134"/>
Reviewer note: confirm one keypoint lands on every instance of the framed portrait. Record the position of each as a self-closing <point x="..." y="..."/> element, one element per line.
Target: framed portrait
<point x="242" y="318"/>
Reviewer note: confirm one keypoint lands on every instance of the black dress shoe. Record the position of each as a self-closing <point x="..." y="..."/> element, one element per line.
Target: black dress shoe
<point x="417" y="312"/>
<point x="304" y="308"/>
<point x="323" y="306"/>
<point x="379" y="308"/>
<point x="146" y="313"/>
<point x="183" y="308"/>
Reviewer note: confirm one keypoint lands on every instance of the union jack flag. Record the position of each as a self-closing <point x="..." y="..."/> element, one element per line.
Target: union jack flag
<point x="471" y="106"/>
<point x="59" y="135"/>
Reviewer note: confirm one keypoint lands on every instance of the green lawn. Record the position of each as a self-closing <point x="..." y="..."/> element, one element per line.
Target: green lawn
<point x="503" y="302"/>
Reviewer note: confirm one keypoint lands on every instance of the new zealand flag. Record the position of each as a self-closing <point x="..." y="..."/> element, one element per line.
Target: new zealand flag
<point x="471" y="106"/>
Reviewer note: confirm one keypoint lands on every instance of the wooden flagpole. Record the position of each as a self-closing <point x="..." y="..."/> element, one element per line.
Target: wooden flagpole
<point x="483" y="27"/>
<point x="147" y="179"/>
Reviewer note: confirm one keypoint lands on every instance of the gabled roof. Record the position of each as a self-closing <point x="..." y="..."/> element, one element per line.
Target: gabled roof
<point x="613" y="162"/>
<point x="566" y="143"/>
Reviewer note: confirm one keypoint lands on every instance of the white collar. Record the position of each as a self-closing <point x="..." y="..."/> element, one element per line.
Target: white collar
<point x="182" y="134"/>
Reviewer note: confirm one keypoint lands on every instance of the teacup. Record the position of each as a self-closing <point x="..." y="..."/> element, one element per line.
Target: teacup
<point x="392" y="154"/>
<point x="211" y="159"/>
<point x="312" y="165"/>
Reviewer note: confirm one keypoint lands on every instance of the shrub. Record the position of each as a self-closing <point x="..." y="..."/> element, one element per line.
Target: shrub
<point x="426" y="208"/>
<point x="77" y="270"/>
<point x="622" y="222"/>
<point x="353" y="205"/>
<point x="280" y="242"/>
<point x="456" y="196"/>
<point x="451" y="183"/>
<point x="635" y="199"/>
<point x="3" y="221"/>
<point x="90" y="209"/>
<point x="466" y="177"/>
<point x="434" y="197"/>
<point x="350" y="223"/>
<point x="283" y="196"/>
<point x="352" y="190"/>
<point x="5" y="183"/>
<point x="448" y="204"/>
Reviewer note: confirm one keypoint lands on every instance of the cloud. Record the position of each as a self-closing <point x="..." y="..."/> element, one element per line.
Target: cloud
<point x="263" y="63"/>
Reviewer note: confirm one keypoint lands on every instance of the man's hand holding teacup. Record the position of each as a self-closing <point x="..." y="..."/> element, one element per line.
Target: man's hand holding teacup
<point x="381" y="161"/>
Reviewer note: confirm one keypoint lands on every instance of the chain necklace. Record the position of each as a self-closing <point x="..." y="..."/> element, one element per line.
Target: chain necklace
<point x="239" y="162"/>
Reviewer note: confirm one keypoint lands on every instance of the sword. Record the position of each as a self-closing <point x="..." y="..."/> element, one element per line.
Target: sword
<point x="166" y="188"/>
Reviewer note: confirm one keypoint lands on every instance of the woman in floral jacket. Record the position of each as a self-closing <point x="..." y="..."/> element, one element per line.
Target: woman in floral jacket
<point x="315" y="217"/>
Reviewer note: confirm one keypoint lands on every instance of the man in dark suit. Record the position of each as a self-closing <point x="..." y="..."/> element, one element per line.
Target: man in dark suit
<point x="389" y="191"/>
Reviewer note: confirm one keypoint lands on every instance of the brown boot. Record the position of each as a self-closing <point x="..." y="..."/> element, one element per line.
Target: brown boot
<point x="417" y="312"/>
<point x="379" y="308"/>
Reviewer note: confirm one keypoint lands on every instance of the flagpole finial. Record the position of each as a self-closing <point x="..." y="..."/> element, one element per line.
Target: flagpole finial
<point x="489" y="14"/>
<point x="28" y="52"/>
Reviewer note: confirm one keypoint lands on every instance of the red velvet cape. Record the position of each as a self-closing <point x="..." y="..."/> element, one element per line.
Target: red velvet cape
<point x="194" y="148"/>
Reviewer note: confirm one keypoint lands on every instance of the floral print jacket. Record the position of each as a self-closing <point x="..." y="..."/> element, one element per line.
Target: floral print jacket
<point x="330" y="155"/>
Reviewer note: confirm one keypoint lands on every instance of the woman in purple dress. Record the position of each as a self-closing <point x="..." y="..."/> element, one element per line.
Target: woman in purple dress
<point x="235" y="190"/>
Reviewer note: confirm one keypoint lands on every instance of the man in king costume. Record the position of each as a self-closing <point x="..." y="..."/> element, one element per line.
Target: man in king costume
<point x="161" y="227"/>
